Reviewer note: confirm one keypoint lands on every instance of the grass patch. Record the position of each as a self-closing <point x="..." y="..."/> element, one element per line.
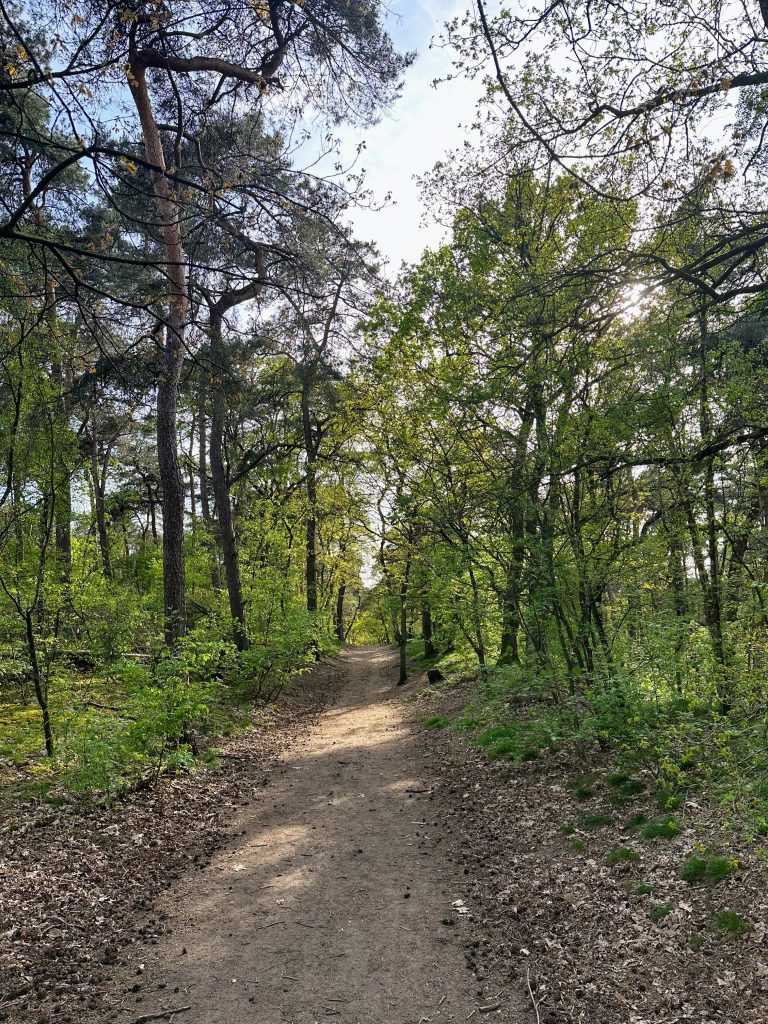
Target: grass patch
<point x="436" y="722"/>
<point x="664" y="828"/>
<point x="620" y="855"/>
<point x="617" y="779"/>
<point x="659" y="911"/>
<point x="582" y="789"/>
<point x="517" y="741"/>
<point x="728" y="922"/>
<point x="591" y="821"/>
<point x="641" y="889"/>
<point x="578" y="845"/>
<point x="669" y="801"/>
<point x="624" y="788"/>
<point x="713" y="869"/>
<point x="636" y="821"/>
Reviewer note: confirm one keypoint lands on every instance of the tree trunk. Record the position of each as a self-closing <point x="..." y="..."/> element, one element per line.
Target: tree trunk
<point x="340" y="633"/>
<point x="310" y="447"/>
<point x="98" y="501"/>
<point x="426" y="630"/>
<point x="403" y="626"/>
<point x="40" y="689"/>
<point x="63" y="495"/>
<point x="172" y="497"/>
<point x="202" y="426"/>
<point x="226" y="531"/>
<point x="509" y="651"/>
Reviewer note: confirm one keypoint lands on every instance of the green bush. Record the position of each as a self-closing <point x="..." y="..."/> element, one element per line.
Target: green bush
<point x="162" y="706"/>
<point x="517" y="741"/>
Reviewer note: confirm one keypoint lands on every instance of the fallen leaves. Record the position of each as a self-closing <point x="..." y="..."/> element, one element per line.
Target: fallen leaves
<point x="552" y="910"/>
<point x="78" y="883"/>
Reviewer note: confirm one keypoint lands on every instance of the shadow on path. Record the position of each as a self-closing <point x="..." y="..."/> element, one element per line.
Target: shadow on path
<point x="330" y="906"/>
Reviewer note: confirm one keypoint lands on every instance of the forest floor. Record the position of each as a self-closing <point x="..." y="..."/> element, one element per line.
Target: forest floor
<point x="344" y="863"/>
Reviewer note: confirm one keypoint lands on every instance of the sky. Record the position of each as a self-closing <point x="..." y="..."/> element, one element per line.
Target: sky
<point x="422" y="126"/>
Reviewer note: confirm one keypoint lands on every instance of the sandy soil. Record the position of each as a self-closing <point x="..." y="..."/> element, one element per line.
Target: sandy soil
<point x="338" y="901"/>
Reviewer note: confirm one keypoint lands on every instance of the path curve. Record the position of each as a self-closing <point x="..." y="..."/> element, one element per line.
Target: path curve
<point x="332" y="903"/>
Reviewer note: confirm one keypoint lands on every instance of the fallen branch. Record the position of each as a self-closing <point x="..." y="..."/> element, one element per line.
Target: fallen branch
<point x="530" y="993"/>
<point x="160" y="1014"/>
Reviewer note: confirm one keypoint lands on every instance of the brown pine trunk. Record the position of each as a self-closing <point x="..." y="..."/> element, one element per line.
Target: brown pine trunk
<point x="172" y="497"/>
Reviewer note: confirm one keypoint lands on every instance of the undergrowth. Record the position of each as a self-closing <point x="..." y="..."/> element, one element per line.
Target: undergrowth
<point x="132" y="719"/>
<point x="678" y="741"/>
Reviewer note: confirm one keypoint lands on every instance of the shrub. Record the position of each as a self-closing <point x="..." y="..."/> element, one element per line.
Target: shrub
<point x="517" y="741"/>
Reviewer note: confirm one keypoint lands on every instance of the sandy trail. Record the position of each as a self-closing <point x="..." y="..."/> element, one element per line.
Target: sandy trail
<point x="331" y="904"/>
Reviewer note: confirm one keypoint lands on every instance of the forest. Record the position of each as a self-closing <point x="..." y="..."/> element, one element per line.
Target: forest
<point x="235" y="440"/>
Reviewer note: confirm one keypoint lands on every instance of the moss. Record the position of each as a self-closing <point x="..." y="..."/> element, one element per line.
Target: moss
<point x="621" y="854"/>
<point x="659" y="911"/>
<point x="696" y="941"/>
<point x="568" y="829"/>
<point x="730" y="923"/>
<point x="664" y="828"/>
<point x="578" y="845"/>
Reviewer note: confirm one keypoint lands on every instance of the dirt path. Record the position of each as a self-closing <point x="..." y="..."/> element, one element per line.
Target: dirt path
<point x="333" y="903"/>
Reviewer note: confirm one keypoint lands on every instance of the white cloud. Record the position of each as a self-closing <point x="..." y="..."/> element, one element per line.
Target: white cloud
<point x="421" y="128"/>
